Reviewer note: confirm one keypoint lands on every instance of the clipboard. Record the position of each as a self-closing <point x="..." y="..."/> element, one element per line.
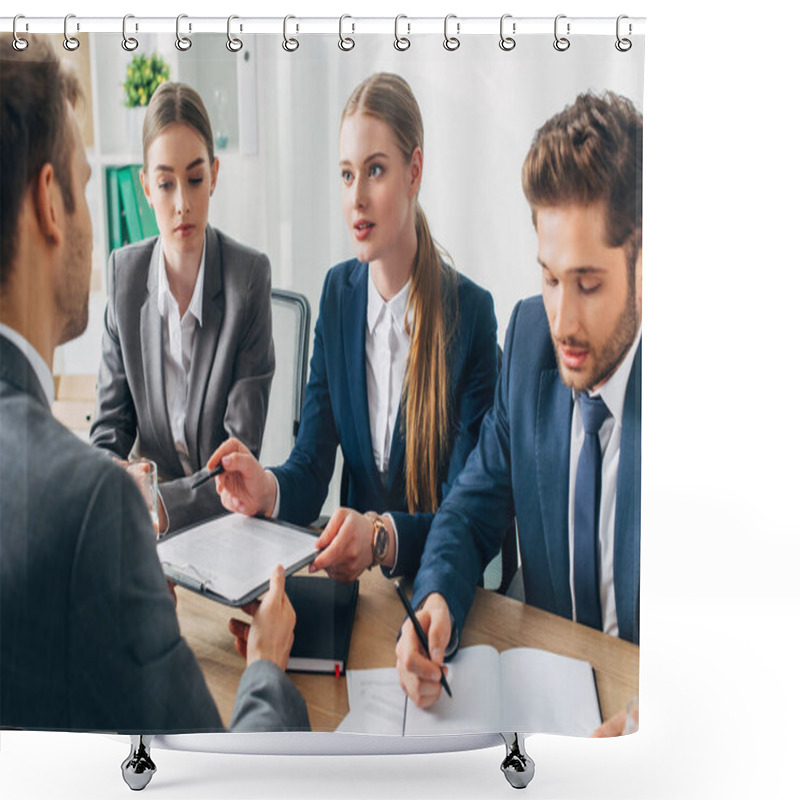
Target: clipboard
<point x="230" y="558"/>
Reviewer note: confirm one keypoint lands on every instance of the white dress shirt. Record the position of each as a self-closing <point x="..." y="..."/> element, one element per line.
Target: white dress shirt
<point x="610" y="436"/>
<point x="38" y="364"/>
<point x="177" y="337"/>
<point x="387" y="346"/>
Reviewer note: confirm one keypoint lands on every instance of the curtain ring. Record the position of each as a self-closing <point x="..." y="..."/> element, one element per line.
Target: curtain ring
<point x="507" y="42"/>
<point x="128" y="42"/>
<point x="19" y="44"/>
<point x="561" y="43"/>
<point x="401" y="43"/>
<point x="290" y="44"/>
<point x="451" y="42"/>
<point x="183" y="43"/>
<point x="346" y="42"/>
<point x="70" y="42"/>
<point x="623" y="45"/>
<point x="233" y="44"/>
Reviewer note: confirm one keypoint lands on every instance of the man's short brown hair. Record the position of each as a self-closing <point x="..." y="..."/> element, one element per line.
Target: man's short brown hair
<point x="34" y="92"/>
<point x="590" y="152"/>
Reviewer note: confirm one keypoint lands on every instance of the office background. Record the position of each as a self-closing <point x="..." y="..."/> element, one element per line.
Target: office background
<point x="719" y="694"/>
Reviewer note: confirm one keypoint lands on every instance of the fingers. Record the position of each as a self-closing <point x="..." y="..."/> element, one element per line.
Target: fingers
<point x="229" y="446"/>
<point x="614" y="726"/>
<point x="349" y="552"/>
<point x="332" y="528"/>
<point x="438" y="632"/>
<point x="419" y="677"/>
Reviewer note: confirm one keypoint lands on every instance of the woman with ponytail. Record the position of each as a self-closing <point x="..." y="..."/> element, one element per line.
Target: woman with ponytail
<point x="403" y="368"/>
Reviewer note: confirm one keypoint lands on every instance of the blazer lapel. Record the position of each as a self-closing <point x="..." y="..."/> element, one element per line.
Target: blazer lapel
<point x="553" y="425"/>
<point x="354" y="315"/>
<point x="397" y="454"/>
<point x="205" y="344"/>
<point x="627" y="523"/>
<point x="153" y="367"/>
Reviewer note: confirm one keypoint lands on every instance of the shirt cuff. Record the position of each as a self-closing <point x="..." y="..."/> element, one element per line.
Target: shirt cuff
<point x="276" y="509"/>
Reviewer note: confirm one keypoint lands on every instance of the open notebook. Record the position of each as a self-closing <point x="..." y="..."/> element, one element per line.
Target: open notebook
<point x="523" y="689"/>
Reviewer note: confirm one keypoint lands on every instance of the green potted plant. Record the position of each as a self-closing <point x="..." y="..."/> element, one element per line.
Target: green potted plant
<point x="144" y="74"/>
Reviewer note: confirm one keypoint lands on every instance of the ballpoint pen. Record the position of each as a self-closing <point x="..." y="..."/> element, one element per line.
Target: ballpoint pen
<point x="218" y="470"/>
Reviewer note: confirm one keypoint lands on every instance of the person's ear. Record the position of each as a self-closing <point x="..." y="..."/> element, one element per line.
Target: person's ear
<point x="214" y="173"/>
<point x="49" y="205"/>
<point x="145" y="186"/>
<point x="416" y="170"/>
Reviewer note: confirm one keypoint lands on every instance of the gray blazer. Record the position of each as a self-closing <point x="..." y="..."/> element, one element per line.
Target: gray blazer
<point x="89" y="639"/>
<point x="233" y="362"/>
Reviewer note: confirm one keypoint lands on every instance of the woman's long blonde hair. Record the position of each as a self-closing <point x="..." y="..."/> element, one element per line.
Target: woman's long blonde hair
<point x="425" y="401"/>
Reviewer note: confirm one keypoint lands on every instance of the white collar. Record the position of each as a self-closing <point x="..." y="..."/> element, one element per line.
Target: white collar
<point x="376" y="305"/>
<point x="614" y="389"/>
<point x="196" y="303"/>
<point x="38" y="364"/>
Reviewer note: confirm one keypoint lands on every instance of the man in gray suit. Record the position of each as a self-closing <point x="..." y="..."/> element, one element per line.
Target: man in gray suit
<point x="89" y="639"/>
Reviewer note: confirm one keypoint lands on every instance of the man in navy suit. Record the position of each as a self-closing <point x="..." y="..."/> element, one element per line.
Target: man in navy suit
<point x="570" y="475"/>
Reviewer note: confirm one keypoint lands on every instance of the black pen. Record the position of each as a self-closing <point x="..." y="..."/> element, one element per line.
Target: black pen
<point x="218" y="470"/>
<point x="420" y="633"/>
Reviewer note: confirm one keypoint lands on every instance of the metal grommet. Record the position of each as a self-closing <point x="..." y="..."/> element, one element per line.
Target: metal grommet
<point x="401" y="43"/>
<point x="233" y="44"/>
<point x="507" y="42"/>
<point x="128" y="42"/>
<point x="70" y="42"/>
<point x="561" y="43"/>
<point x="183" y="43"/>
<point x="346" y="42"/>
<point x="290" y="44"/>
<point x="19" y="43"/>
<point x="623" y="44"/>
<point x="451" y="42"/>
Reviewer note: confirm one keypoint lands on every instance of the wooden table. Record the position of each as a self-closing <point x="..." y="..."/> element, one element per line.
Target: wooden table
<point x="494" y="619"/>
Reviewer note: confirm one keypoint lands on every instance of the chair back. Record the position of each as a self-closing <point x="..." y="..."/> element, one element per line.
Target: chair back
<point x="291" y="322"/>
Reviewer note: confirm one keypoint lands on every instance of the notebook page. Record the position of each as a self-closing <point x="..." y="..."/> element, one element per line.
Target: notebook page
<point x="548" y="693"/>
<point x="476" y="704"/>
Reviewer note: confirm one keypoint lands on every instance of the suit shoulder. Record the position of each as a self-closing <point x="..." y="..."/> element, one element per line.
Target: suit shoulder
<point x="133" y="257"/>
<point x="66" y="460"/>
<point x="528" y="330"/>
<point x="470" y="294"/>
<point x="234" y="252"/>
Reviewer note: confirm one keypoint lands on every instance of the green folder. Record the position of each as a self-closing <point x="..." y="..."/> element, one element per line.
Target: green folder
<point x="113" y="210"/>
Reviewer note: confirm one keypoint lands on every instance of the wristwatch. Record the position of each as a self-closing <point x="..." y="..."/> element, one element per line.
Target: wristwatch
<point x="380" y="539"/>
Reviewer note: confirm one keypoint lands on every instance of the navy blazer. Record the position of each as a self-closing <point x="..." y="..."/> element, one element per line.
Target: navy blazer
<point x="521" y="468"/>
<point x="336" y="411"/>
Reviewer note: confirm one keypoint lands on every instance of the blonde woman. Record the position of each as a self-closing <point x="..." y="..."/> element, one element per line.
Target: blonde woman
<point x="187" y="356"/>
<point x="404" y="363"/>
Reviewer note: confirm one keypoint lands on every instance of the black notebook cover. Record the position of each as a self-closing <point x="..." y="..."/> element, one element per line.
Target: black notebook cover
<point x="325" y="611"/>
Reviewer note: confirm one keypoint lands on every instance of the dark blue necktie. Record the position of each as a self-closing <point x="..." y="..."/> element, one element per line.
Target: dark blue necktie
<point x="586" y="554"/>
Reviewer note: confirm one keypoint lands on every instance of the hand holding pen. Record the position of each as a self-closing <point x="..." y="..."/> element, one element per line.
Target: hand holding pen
<point x="418" y="686"/>
<point x="243" y="485"/>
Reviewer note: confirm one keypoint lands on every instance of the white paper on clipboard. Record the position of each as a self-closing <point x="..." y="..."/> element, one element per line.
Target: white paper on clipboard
<point x="231" y="558"/>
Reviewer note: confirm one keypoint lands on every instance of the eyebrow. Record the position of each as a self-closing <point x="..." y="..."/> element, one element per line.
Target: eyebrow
<point x="577" y="270"/>
<point x="167" y="168"/>
<point x="379" y="154"/>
